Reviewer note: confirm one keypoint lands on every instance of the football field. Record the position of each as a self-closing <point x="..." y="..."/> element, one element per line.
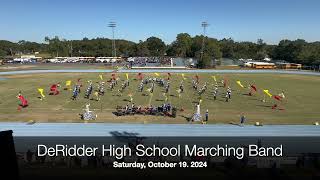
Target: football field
<point x="300" y="105"/>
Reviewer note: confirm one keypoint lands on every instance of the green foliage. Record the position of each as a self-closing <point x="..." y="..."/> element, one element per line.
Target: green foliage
<point x="227" y="48"/>
<point x="297" y="51"/>
<point x="2" y="53"/>
<point x="141" y="49"/>
<point x="205" y="61"/>
<point x="156" y="46"/>
<point x="181" y="47"/>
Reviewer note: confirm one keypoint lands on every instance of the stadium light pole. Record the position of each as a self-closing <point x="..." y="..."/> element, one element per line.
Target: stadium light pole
<point x="113" y="25"/>
<point x="204" y="25"/>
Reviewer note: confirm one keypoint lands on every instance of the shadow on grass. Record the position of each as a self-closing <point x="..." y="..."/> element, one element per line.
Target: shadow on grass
<point x="188" y="119"/>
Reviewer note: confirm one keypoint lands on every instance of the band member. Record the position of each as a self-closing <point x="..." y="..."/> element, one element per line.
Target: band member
<point x="89" y="90"/>
<point x="75" y="92"/>
<point x="101" y="88"/>
<point x="181" y="87"/>
<point x="229" y="92"/>
<point x="152" y="88"/>
<point x="215" y="95"/>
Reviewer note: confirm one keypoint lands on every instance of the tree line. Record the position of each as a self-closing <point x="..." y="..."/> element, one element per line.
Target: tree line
<point x="297" y="51"/>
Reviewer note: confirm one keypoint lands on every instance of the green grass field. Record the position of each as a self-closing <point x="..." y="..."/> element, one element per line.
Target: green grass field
<point x="301" y="105"/>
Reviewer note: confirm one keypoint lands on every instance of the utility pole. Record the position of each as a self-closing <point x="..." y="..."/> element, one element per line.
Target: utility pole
<point x="204" y="24"/>
<point x="113" y="25"/>
<point x="71" y="49"/>
<point x="11" y="52"/>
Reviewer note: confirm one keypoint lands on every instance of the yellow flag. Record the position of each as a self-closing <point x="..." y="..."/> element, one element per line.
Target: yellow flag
<point x="267" y="92"/>
<point x="179" y="92"/>
<point x="101" y="77"/>
<point x="239" y="83"/>
<point x="165" y="97"/>
<point x="68" y="83"/>
<point x="130" y="95"/>
<point x="214" y="78"/>
<point x="127" y="75"/>
<point x="183" y="76"/>
<point x="40" y="90"/>
<point x="157" y="74"/>
<point x="200" y="101"/>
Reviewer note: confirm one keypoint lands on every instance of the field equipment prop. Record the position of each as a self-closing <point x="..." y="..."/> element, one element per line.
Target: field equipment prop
<point x="266" y="92"/>
<point x="23" y="101"/>
<point x="140" y="76"/>
<point x="41" y="92"/>
<point x="253" y="89"/>
<point x="169" y="76"/>
<point x="113" y="76"/>
<point x="54" y="89"/>
<point x="88" y="115"/>
<point x="197" y="116"/>
<point x="68" y="85"/>
<point x="279" y="99"/>
<point x="214" y="78"/>
<point x="101" y="76"/>
<point x="240" y="84"/>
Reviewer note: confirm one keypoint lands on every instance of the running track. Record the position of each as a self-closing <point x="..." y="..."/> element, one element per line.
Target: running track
<point x="107" y="129"/>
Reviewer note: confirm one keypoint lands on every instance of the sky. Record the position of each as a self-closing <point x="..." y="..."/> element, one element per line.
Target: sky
<point x="242" y="20"/>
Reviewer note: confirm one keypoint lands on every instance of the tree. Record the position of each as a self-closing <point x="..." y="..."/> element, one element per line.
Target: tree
<point x="181" y="47"/>
<point x="212" y="48"/>
<point x="57" y="47"/>
<point x="2" y="53"/>
<point x="227" y="48"/>
<point x="156" y="46"/>
<point x="205" y="61"/>
<point x="297" y="51"/>
<point x="261" y="50"/>
<point x="210" y="52"/>
<point x="289" y="50"/>
<point x="141" y="49"/>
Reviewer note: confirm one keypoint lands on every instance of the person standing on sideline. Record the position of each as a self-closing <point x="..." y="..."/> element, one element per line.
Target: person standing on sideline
<point x="242" y="119"/>
<point x="206" y="116"/>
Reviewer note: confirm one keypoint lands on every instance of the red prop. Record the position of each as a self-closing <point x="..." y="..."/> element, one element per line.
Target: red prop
<point x="113" y="76"/>
<point x="140" y="76"/>
<point x="254" y="87"/>
<point x="277" y="97"/>
<point x="54" y="89"/>
<point x="197" y="77"/>
<point x="23" y="101"/>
